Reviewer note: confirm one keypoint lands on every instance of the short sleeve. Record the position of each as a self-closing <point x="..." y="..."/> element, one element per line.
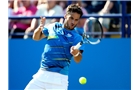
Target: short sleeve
<point x="45" y="31"/>
<point x="48" y="29"/>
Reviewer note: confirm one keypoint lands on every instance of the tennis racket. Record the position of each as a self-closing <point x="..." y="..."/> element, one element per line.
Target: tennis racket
<point x="93" y="32"/>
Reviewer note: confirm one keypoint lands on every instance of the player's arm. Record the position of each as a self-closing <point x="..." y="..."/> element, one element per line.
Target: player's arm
<point x="78" y="57"/>
<point x="38" y="34"/>
<point x="77" y="54"/>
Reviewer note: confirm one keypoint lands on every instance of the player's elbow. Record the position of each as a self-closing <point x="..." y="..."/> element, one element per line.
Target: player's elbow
<point x="77" y="60"/>
<point x="35" y="38"/>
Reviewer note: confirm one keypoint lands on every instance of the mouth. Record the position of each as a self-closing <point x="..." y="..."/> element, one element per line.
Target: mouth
<point x="72" y="25"/>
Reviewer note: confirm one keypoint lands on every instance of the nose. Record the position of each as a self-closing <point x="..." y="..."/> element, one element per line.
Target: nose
<point x="72" y="21"/>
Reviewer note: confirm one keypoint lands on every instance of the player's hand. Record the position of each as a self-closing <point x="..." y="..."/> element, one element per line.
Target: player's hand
<point x="74" y="51"/>
<point x="61" y="20"/>
<point x="42" y="21"/>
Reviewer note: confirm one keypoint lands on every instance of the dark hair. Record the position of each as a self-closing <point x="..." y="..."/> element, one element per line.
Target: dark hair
<point x="75" y="8"/>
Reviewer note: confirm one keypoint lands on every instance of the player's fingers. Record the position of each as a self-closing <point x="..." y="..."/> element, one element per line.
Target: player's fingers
<point x="41" y="17"/>
<point x="43" y="20"/>
<point x="72" y="48"/>
<point x="73" y="51"/>
<point x="61" y="20"/>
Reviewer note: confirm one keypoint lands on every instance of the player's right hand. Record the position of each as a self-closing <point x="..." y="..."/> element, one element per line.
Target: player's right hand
<point x="74" y="51"/>
<point x="42" y="21"/>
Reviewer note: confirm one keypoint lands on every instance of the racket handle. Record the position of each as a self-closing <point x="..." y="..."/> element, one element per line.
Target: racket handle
<point x="78" y="45"/>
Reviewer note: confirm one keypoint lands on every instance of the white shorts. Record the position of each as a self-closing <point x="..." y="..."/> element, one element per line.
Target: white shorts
<point x="45" y="80"/>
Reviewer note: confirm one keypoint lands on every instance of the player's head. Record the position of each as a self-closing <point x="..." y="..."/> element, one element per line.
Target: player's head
<point x="72" y="16"/>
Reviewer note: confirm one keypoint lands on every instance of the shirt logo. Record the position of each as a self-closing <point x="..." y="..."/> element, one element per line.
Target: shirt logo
<point x="60" y="32"/>
<point x="68" y="35"/>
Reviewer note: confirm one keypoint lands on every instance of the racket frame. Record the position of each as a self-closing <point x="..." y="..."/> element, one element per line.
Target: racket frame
<point x="86" y="37"/>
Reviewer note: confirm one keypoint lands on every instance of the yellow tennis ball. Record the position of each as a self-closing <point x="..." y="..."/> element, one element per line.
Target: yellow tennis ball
<point x="82" y="80"/>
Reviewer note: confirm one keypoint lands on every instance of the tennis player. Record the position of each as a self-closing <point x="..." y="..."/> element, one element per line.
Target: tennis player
<point x="58" y="51"/>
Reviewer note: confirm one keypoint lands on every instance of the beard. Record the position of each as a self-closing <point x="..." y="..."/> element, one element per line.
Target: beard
<point x="66" y="25"/>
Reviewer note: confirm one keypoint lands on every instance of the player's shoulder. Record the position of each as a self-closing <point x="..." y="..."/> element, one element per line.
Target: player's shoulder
<point x="54" y="25"/>
<point x="76" y="34"/>
<point x="58" y="25"/>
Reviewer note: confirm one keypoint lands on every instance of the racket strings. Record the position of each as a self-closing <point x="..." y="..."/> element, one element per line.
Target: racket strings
<point x="93" y="28"/>
<point x="93" y="31"/>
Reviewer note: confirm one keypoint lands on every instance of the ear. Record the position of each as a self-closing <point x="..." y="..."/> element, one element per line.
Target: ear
<point x="65" y="16"/>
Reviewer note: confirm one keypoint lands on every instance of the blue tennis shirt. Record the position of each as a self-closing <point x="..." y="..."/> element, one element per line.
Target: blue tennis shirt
<point x="56" y="56"/>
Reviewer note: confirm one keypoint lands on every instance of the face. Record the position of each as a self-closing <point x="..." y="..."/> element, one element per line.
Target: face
<point x="71" y="20"/>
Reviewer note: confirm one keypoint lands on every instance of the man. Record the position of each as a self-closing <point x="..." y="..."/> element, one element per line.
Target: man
<point x="58" y="51"/>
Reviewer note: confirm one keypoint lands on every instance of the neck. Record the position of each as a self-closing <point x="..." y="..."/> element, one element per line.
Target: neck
<point x="66" y="27"/>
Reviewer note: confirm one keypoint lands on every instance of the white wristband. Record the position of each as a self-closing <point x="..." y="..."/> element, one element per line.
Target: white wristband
<point x="77" y="54"/>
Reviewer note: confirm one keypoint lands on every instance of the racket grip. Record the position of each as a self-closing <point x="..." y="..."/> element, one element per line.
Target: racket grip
<point x="78" y="45"/>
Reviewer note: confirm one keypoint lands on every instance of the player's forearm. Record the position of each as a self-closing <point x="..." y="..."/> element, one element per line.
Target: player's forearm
<point x="78" y="58"/>
<point x="37" y="33"/>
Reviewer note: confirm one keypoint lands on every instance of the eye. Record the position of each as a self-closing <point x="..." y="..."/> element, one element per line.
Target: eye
<point x="76" y="19"/>
<point x="71" y="18"/>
